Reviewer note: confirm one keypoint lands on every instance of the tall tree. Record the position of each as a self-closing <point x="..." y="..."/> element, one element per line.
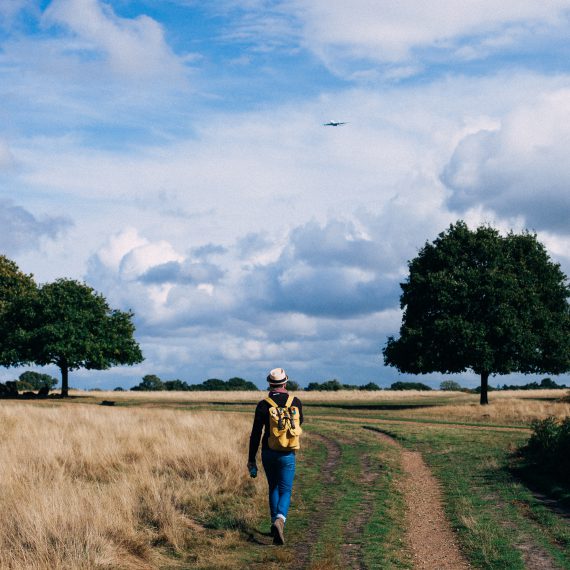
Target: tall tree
<point x="68" y="324"/>
<point x="475" y="300"/>
<point x="14" y="285"/>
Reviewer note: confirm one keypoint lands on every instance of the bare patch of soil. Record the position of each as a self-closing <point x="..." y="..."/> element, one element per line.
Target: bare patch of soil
<point x="535" y="558"/>
<point x="429" y="536"/>
<point x="324" y="504"/>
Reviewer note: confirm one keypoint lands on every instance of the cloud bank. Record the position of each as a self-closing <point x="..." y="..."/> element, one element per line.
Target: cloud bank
<point x="22" y="231"/>
<point x="520" y="168"/>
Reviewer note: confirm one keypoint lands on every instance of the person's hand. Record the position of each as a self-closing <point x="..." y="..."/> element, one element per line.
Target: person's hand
<point x="252" y="468"/>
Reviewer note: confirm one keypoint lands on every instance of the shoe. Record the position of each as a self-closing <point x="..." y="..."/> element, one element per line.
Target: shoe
<point x="272" y="531"/>
<point x="279" y="532"/>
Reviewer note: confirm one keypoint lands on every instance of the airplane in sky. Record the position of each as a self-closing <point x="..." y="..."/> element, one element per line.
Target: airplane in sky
<point x="334" y="124"/>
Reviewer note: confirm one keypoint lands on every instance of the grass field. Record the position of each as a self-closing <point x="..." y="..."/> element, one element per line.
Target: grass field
<point x="159" y="481"/>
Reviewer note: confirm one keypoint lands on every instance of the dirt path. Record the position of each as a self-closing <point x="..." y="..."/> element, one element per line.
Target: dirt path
<point x="352" y="554"/>
<point x="324" y="504"/>
<point x="429" y="536"/>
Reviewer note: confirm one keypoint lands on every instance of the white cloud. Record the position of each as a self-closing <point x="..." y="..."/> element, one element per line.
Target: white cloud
<point x="119" y="245"/>
<point x="259" y="350"/>
<point x="383" y="30"/>
<point x="135" y="46"/>
<point x="141" y="258"/>
<point x="79" y="70"/>
<point x="520" y="168"/>
<point x="368" y="40"/>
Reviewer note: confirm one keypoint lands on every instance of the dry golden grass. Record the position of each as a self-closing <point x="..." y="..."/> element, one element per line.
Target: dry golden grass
<point x="252" y="396"/>
<point x="92" y="487"/>
<point x="499" y="411"/>
<point x="528" y="394"/>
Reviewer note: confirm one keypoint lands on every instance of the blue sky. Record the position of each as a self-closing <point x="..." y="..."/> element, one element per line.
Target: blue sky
<point x="172" y="154"/>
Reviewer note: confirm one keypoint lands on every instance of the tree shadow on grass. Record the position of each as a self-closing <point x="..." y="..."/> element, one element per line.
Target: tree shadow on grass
<point x="549" y="488"/>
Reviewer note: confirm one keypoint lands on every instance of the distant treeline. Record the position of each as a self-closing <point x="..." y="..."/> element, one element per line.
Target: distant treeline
<point x="152" y="383"/>
<point x="335" y="385"/>
<point x="545" y="384"/>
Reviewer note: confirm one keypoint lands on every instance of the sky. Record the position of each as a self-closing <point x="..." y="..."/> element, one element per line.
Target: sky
<point x="172" y="155"/>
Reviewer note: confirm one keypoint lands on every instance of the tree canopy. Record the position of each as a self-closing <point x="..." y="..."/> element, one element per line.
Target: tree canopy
<point x="450" y="386"/>
<point x="13" y="282"/>
<point x="68" y="324"/>
<point x="14" y="285"/>
<point x="37" y="380"/>
<point x="475" y="300"/>
<point x="149" y="383"/>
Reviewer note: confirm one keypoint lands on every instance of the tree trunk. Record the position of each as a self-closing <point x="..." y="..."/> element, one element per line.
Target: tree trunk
<point x="484" y="388"/>
<point x="64" y="380"/>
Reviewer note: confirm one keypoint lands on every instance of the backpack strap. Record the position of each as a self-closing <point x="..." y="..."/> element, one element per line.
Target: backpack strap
<point x="271" y="402"/>
<point x="289" y="401"/>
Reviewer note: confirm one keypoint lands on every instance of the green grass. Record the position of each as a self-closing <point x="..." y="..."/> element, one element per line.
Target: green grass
<point x="382" y="534"/>
<point x="490" y="509"/>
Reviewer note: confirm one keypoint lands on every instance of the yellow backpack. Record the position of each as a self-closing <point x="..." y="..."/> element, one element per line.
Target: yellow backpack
<point x="284" y="426"/>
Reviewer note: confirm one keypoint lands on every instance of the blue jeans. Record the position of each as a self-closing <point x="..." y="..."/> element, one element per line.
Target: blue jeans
<point x="279" y="469"/>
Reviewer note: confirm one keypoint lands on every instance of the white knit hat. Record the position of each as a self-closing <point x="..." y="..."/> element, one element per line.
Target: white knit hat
<point x="277" y="377"/>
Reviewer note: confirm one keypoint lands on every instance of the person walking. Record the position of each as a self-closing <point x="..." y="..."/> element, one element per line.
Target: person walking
<point x="279" y="416"/>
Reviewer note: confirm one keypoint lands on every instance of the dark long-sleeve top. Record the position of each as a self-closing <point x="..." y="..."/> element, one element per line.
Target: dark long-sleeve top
<point x="261" y="420"/>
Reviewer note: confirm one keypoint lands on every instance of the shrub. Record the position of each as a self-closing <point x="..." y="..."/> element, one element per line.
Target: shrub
<point x="549" y="445"/>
